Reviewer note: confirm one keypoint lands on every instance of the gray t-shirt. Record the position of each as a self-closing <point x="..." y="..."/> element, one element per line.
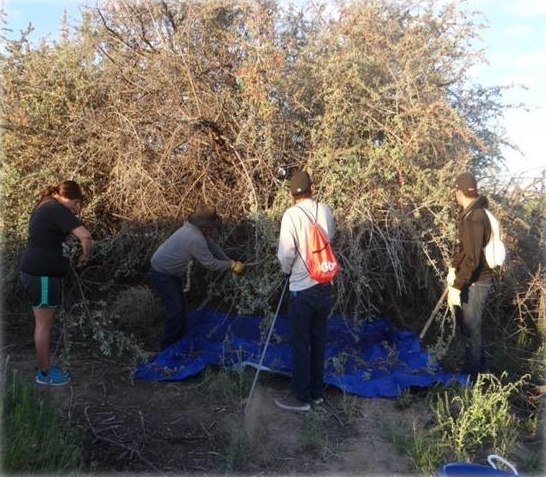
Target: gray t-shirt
<point x="186" y="244"/>
<point x="293" y="239"/>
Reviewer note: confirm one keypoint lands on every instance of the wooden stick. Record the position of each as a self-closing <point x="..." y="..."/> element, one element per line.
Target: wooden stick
<point x="433" y="314"/>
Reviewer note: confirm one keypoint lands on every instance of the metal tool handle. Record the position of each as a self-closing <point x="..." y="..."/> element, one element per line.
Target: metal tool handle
<point x="267" y="342"/>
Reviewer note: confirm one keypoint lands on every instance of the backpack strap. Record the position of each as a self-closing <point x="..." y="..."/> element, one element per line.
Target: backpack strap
<point x="294" y="238"/>
<point x="313" y="221"/>
<point x="492" y="226"/>
<point x="488" y="225"/>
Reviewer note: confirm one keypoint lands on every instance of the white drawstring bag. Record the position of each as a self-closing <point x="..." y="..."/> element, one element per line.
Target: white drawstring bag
<point x="494" y="251"/>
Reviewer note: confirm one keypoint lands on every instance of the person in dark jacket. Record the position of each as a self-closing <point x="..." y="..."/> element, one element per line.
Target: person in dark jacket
<point x="45" y="262"/>
<point x="470" y="278"/>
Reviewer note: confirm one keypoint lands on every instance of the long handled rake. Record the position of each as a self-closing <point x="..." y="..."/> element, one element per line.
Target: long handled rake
<point x="433" y="314"/>
<point x="266" y="344"/>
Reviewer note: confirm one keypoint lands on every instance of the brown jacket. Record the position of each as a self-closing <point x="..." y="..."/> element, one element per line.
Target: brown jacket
<point x="474" y="231"/>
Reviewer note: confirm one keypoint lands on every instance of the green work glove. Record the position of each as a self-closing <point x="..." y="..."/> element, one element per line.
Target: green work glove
<point x="450" y="277"/>
<point x="453" y="297"/>
<point x="237" y="267"/>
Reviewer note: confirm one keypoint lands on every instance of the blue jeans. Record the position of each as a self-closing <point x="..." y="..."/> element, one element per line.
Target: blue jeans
<point x="469" y="319"/>
<point x="307" y="313"/>
<point x="169" y="289"/>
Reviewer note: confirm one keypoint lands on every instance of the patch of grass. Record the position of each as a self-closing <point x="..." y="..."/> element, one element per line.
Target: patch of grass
<point x="239" y="450"/>
<point x="350" y="407"/>
<point x="417" y="446"/>
<point x="231" y="385"/>
<point x="404" y="400"/>
<point x="314" y="430"/>
<point x="35" y="438"/>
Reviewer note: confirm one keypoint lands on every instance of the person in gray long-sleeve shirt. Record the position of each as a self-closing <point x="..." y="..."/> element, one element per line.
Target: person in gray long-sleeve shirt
<point x="310" y="302"/>
<point x="168" y="265"/>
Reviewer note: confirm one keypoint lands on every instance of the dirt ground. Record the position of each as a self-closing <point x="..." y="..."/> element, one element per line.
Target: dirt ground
<point x="195" y="427"/>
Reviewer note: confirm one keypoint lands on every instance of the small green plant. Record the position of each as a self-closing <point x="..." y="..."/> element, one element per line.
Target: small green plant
<point x="350" y="407"/>
<point x="230" y="385"/>
<point x="477" y="417"/>
<point x="238" y="450"/>
<point x="467" y="423"/>
<point x="35" y="439"/>
<point x="404" y="400"/>
<point x="238" y="380"/>
<point x="314" y="430"/>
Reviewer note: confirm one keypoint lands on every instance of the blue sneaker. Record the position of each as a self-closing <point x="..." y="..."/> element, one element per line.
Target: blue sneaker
<point x="54" y="377"/>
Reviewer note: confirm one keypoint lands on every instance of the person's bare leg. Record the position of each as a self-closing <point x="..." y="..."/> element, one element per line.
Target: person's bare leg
<point x="44" y="319"/>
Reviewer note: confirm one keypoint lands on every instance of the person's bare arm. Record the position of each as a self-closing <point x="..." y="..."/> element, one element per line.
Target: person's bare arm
<point x="84" y="236"/>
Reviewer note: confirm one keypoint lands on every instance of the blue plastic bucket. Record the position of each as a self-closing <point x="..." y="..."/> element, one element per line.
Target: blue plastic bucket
<point x="466" y="469"/>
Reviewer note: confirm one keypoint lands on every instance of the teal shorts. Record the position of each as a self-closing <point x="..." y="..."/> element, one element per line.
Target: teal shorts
<point x="42" y="292"/>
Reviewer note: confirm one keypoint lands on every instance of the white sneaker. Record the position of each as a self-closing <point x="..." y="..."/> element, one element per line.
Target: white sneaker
<point x="292" y="403"/>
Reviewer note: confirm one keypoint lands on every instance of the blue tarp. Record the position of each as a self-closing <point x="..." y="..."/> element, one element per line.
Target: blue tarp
<point x="370" y="359"/>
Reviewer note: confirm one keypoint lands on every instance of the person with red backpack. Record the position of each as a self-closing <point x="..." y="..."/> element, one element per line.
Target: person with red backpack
<point x="310" y="300"/>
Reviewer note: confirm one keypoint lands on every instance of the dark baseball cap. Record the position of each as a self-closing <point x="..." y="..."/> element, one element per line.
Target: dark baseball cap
<point x="467" y="184"/>
<point x="300" y="182"/>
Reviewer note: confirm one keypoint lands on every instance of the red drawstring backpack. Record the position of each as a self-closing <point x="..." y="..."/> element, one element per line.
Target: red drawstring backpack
<point x="320" y="261"/>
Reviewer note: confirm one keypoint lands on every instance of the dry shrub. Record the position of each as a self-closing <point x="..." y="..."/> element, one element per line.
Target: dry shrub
<point x="136" y="308"/>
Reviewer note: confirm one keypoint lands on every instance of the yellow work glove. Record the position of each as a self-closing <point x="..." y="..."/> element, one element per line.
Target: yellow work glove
<point x="237" y="267"/>
<point x="450" y="276"/>
<point x="453" y="297"/>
